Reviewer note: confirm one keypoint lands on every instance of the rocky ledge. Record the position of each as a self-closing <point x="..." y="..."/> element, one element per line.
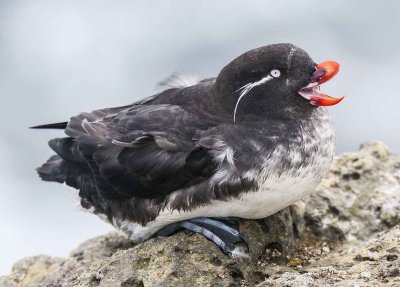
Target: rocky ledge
<point x="346" y="234"/>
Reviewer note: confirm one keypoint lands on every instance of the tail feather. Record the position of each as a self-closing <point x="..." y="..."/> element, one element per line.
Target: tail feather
<point x="53" y="170"/>
<point x="60" y="126"/>
<point x="68" y="149"/>
<point x="76" y="175"/>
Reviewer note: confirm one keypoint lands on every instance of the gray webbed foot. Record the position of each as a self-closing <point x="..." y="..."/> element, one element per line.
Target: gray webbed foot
<point x="222" y="231"/>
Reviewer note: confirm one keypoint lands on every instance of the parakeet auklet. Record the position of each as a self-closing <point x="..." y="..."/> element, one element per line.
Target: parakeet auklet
<point x="242" y="145"/>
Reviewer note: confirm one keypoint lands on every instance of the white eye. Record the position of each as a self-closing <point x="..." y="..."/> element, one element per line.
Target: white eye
<point x="275" y="73"/>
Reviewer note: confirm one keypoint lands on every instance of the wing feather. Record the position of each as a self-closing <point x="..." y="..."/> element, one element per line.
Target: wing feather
<point x="142" y="151"/>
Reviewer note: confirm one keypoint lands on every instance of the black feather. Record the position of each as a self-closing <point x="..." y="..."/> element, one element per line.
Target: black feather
<point x="60" y="126"/>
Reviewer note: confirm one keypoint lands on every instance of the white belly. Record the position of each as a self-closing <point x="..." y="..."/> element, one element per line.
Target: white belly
<point x="273" y="195"/>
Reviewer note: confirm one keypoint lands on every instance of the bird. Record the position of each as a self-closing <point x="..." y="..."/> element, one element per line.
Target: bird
<point x="199" y="155"/>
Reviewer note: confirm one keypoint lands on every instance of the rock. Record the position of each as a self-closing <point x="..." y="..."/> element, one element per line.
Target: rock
<point x="291" y="279"/>
<point x="316" y="242"/>
<point x="374" y="263"/>
<point x="181" y="260"/>
<point x="359" y="196"/>
<point x="348" y="266"/>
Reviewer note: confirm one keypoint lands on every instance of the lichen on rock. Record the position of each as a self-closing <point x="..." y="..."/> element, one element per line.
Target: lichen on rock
<point x="345" y="234"/>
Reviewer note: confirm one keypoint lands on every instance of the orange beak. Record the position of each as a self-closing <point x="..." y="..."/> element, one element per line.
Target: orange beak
<point x="330" y="68"/>
<point x="323" y="73"/>
<point x="325" y="100"/>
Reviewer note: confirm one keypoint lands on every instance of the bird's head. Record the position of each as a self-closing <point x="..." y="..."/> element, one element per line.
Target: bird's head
<point x="275" y="81"/>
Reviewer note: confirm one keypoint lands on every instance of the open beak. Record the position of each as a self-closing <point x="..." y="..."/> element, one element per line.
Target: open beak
<point x="323" y="73"/>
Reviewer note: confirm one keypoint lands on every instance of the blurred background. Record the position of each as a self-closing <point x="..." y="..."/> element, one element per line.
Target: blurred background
<point x="59" y="58"/>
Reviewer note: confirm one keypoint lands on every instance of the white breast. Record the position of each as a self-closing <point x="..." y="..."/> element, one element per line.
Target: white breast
<point x="275" y="192"/>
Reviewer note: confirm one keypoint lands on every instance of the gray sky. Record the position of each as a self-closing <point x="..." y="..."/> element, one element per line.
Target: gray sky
<point x="58" y="58"/>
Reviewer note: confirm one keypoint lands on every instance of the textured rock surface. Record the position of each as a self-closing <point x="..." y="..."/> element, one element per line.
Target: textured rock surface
<point x="343" y="235"/>
<point x="359" y="196"/>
